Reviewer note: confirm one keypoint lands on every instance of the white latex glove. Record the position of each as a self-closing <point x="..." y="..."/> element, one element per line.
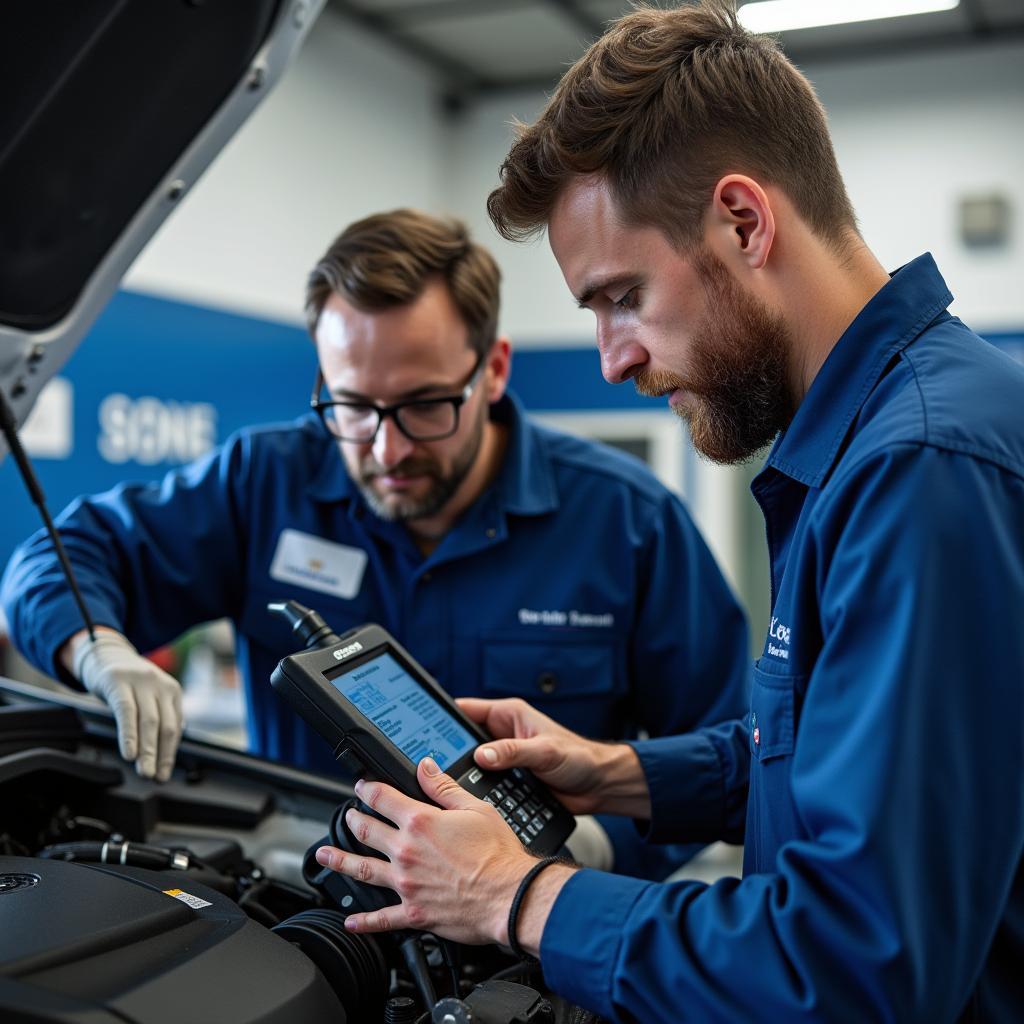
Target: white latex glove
<point x="146" y="701"/>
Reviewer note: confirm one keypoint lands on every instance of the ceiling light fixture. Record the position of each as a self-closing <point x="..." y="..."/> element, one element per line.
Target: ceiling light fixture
<point x="785" y="15"/>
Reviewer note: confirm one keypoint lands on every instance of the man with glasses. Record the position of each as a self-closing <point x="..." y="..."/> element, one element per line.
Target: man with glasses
<point x="510" y="559"/>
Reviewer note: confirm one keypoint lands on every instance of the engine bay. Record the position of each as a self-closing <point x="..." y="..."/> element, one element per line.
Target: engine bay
<point x="123" y="900"/>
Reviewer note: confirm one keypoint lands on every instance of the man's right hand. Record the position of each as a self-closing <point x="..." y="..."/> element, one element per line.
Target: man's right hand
<point x="146" y="701"/>
<point x="587" y="776"/>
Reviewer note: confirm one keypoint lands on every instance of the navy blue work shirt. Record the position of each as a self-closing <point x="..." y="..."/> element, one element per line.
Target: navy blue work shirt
<point x="878" y="779"/>
<point x="576" y="581"/>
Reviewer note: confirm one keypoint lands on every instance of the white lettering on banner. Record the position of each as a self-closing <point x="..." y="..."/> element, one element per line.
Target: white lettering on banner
<point x="554" y="617"/>
<point x="150" y="430"/>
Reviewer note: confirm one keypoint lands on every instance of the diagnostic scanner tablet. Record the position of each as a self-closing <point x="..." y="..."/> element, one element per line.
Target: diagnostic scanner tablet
<point x="383" y="712"/>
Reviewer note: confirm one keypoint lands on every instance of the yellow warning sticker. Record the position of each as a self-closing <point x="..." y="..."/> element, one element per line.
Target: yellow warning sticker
<point x="193" y="901"/>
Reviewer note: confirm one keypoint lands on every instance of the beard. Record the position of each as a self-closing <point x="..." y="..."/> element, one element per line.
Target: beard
<point x="399" y="508"/>
<point x="738" y="395"/>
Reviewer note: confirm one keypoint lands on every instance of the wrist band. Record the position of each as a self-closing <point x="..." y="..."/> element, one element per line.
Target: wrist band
<point x="517" y="902"/>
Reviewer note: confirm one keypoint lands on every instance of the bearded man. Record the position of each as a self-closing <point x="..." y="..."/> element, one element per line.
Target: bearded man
<point x="685" y="175"/>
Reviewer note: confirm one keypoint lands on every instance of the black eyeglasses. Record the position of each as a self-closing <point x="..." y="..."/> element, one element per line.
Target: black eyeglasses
<point x="420" y="419"/>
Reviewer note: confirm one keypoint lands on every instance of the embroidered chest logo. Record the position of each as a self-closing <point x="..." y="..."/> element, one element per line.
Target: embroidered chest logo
<point x="572" y="617"/>
<point x="779" y="636"/>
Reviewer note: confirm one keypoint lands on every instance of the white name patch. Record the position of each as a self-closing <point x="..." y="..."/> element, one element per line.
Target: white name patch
<point x="318" y="564"/>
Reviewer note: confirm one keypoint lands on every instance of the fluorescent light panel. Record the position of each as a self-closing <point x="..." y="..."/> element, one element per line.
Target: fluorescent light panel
<point x="784" y="15"/>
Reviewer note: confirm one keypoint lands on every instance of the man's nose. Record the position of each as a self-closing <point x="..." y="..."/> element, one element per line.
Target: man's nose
<point x="390" y="446"/>
<point x="621" y="358"/>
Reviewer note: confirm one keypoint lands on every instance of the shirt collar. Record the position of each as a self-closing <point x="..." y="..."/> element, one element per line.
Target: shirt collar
<point x="331" y="482"/>
<point x="525" y="484"/>
<point x="914" y="296"/>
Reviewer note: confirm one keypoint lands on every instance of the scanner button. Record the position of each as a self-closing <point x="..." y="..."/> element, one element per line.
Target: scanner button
<point x="475" y="775"/>
<point x="496" y="795"/>
<point x="509" y="804"/>
<point x="537" y="824"/>
<point x="522" y="816"/>
<point x="526" y="838"/>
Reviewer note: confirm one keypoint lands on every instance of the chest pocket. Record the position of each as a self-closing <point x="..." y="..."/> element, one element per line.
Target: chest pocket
<point x="578" y="684"/>
<point x="771" y="813"/>
<point x="771" y="723"/>
<point x="548" y="670"/>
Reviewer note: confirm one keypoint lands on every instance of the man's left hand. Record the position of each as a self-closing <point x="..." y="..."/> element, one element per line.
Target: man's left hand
<point x="456" y="867"/>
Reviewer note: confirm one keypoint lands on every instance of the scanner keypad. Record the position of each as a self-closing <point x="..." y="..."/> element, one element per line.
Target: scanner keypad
<point x="524" y="811"/>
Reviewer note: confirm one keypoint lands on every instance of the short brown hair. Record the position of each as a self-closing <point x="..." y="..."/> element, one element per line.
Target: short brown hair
<point x="386" y="260"/>
<point x="662" y="106"/>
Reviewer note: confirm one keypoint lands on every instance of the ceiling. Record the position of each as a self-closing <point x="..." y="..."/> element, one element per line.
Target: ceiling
<point x="479" y="47"/>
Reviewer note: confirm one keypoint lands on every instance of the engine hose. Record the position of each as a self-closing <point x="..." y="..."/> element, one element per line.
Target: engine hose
<point x="112" y="851"/>
<point x="416" y="963"/>
<point x="448" y="953"/>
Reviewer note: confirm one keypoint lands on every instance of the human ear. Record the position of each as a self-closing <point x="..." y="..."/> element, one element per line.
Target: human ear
<point x="499" y="365"/>
<point x="742" y="223"/>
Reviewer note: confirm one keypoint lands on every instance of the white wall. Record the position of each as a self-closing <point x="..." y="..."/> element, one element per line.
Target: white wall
<point x="912" y="134"/>
<point x="355" y="127"/>
<point x="352" y="128"/>
<point x="915" y="134"/>
<point x="537" y="306"/>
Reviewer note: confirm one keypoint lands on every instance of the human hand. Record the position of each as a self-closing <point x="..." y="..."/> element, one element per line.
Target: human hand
<point x="146" y="701"/>
<point x="456" y="866"/>
<point x="587" y="777"/>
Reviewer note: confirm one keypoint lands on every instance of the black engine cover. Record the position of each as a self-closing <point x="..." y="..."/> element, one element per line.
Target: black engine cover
<point x="98" y="943"/>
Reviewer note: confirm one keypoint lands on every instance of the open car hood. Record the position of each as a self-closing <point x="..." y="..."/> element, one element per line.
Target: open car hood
<point x="112" y="109"/>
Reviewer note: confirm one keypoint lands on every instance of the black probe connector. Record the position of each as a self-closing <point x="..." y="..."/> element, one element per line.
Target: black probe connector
<point x="307" y="625"/>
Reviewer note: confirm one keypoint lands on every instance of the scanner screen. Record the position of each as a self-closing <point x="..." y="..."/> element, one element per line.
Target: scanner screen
<point x="406" y="713"/>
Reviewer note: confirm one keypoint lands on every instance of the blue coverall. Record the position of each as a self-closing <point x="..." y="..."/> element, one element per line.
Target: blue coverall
<point x="576" y="581"/>
<point x="878" y="778"/>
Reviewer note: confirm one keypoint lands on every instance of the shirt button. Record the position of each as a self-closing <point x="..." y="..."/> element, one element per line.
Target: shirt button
<point x="426" y="577"/>
<point x="547" y="682"/>
<point x="491" y="533"/>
